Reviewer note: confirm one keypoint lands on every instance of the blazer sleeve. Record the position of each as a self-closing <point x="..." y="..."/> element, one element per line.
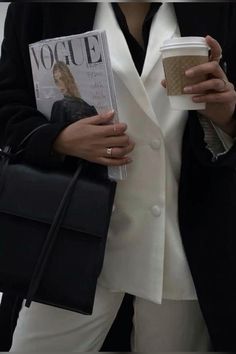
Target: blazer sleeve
<point x="194" y="134"/>
<point x="18" y="113"/>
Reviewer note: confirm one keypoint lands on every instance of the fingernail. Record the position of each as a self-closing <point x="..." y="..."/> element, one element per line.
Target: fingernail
<point x="128" y="160"/>
<point x="196" y="98"/>
<point x="107" y="114"/>
<point x="189" y="72"/>
<point x="187" y="89"/>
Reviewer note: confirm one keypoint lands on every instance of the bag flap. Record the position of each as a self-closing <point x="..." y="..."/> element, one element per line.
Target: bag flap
<point x="35" y="194"/>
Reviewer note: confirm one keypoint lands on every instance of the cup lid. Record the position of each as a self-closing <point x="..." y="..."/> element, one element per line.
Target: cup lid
<point x="183" y="42"/>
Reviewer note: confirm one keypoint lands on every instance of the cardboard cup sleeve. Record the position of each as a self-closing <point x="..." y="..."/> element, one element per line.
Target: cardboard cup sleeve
<point x="175" y="67"/>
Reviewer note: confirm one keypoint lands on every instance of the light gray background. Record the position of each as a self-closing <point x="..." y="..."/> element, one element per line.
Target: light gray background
<point x="3" y="9"/>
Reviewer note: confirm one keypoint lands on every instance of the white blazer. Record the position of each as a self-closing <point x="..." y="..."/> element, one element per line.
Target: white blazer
<point x="144" y="253"/>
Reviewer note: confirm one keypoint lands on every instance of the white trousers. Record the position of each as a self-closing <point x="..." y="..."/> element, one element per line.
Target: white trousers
<point x="171" y="326"/>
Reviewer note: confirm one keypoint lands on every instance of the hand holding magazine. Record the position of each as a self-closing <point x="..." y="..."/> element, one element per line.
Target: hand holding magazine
<point x="73" y="79"/>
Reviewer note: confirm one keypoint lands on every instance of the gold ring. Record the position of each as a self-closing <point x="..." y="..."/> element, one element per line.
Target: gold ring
<point x="109" y="152"/>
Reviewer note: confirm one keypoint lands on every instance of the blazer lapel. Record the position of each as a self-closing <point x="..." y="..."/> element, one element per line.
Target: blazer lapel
<point x="164" y="26"/>
<point x="122" y="62"/>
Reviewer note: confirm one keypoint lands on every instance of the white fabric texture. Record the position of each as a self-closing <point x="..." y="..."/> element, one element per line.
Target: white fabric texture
<point x="172" y="326"/>
<point x="144" y="253"/>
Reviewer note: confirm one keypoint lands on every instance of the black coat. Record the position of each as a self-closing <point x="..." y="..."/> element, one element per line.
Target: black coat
<point x="207" y="189"/>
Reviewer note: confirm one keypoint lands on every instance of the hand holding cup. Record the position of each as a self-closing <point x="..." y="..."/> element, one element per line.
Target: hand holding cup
<point x="210" y="92"/>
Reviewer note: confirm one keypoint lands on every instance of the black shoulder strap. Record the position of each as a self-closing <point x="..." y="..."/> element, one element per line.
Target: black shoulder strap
<point x="51" y="237"/>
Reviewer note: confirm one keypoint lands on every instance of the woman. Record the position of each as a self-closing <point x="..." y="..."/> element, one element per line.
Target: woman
<point x="144" y="254"/>
<point x="72" y="107"/>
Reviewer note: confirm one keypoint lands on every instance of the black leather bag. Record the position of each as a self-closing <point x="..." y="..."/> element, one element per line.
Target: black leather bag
<point x="53" y="230"/>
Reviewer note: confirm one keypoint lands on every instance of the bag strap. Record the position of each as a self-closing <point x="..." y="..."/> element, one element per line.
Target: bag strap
<point x="6" y="155"/>
<point x="51" y="238"/>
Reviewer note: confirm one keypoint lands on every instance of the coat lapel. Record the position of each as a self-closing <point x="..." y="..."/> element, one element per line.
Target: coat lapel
<point x="164" y="26"/>
<point x="122" y="62"/>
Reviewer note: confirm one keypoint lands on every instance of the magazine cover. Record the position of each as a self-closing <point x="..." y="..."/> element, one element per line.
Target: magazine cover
<point x="73" y="79"/>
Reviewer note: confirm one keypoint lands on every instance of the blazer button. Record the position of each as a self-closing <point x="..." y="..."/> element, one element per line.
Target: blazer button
<point x="155" y="144"/>
<point x="156" y="210"/>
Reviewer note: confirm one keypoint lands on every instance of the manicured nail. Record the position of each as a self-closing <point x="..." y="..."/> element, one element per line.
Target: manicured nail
<point x="188" y="89"/>
<point x="189" y="72"/>
<point x="107" y="114"/>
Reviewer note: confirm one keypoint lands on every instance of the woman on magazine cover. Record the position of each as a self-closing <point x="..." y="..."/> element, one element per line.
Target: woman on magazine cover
<point x="171" y="241"/>
<point x="72" y="107"/>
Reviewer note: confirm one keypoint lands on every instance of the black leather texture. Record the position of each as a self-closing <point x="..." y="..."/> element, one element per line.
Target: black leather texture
<point x="29" y="199"/>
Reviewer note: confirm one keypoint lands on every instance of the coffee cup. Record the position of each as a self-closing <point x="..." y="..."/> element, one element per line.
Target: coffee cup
<point x="178" y="55"/>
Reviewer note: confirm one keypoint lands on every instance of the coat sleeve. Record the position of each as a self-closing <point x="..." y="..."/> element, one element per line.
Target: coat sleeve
<point x="18" y="113"/>
<point x="194" y="133"/>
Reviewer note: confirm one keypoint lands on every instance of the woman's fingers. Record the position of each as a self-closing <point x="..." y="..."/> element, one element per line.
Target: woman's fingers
<point x="103" y="118"/>
<point x="211" y="68"/>
<point x="224" y="97"/>
<point x="215" y="84"/>
<point x="215" y="47"/>
<point x="104" y="123"/>
<point x="87" y="142"/>
<point x="119" y="151"/>
<point x="122" y="141"/>
<point x="96" y="139"/>
<point x="213" y="88"/>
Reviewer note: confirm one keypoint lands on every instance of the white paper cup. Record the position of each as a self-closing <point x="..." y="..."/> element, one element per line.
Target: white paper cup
<point x="178" y="55"/>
